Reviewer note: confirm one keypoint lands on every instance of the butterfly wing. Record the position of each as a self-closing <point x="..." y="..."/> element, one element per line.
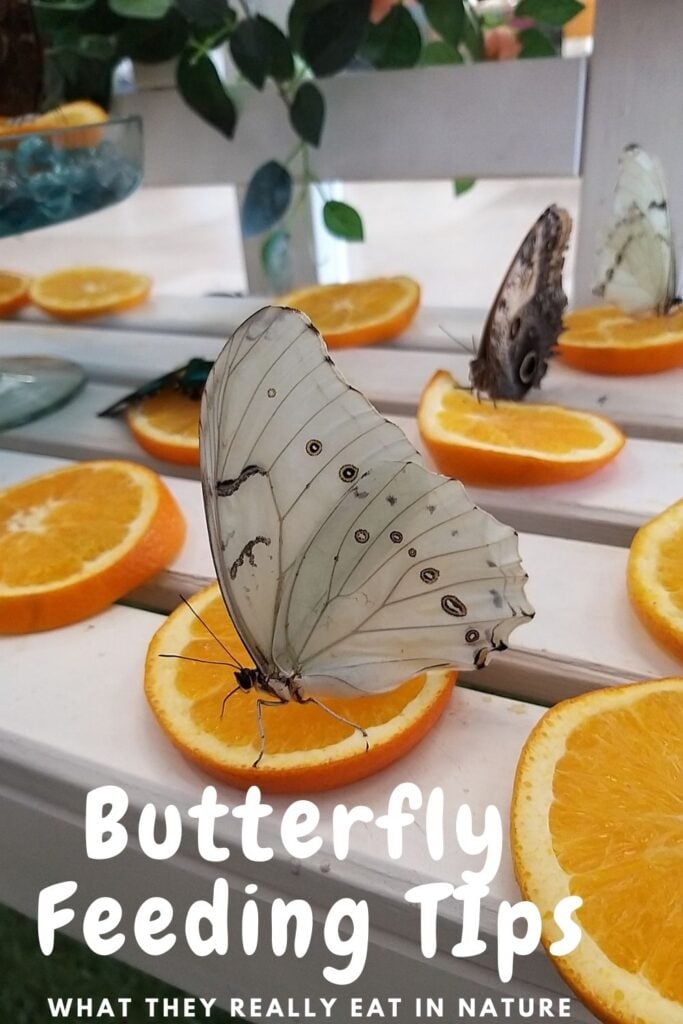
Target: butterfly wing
<point x="282" y="438"/>
<point x="635" y="264"/>
<point x="404" y="575"/>
<point x="341" y="558"/>
<point x="526" y="317"/>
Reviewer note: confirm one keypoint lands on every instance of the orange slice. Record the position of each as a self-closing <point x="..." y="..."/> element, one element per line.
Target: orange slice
<point x="510" y="443"/>
<point x="80" y="292"/>
<point x="68" y="115"/>
<point x="77" y="539"/>
<point x="14" y="289"/>
<point x="306" y="750"/>
<point x="167" y="426"/>
<point x="360" y="313"/>
<point x="597" y="812"/>
<point x="655" y="577"/>
<point x="605" y="340"/>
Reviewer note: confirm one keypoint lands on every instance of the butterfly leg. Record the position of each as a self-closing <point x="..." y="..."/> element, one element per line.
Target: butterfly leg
<point x="340" y="718"/>
<point x="260" y="704"/>
<point x="227" y="698"/>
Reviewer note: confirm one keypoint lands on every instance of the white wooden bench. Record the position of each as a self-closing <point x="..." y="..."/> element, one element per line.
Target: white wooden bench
<point x="75" y="715"/>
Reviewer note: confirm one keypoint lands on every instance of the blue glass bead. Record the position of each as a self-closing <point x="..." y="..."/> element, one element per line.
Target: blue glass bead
<point x="34" y="155"/>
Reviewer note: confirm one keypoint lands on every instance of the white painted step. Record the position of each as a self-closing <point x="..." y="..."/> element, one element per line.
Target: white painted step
<point x="75" y="717"/>
<point x="606" y="507"/>
<point x="392" y="376"/>
<point x="584" y="635"/>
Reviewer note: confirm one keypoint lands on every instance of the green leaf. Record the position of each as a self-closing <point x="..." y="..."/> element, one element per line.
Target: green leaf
<point x="153" y="41"/>
<point x="307" y="113"/>
<point x="552" y="12"/>
<point x="96" y="47"/>
<point x="462" y="185"/>
<point x="203" y="91"/>
<point x="268" y="195"/>
<point x="148" y="9"/>
<point x="280" y="61"/>
<point x="447" y="17"/>
<point x="333" y="34"/>
<point x="395" y="42"/>
<point x="276" y="260"/>
<point x="259" y="49"/>
<point x="472" y="35"/>
<point x="535" y="43"/>
<point x="60" y="5"/>
<point x="342" y="221"/>
<point x="439" y="52"/>
<point x="299" y="15"/>
<point x="205" y="12"/>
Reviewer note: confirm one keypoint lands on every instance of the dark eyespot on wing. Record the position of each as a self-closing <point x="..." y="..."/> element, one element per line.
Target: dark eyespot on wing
<point x="454" y="606"/>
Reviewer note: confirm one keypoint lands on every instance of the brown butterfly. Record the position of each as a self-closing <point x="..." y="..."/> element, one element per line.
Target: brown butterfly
<point x="526" y="317"/>
<point x="21" y="59"/>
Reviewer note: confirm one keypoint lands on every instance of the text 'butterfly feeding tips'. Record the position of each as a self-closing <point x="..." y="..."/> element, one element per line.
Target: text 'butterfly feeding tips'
<point x="636" y="262"/>
<point x="525" y="319"/>
<point x="346" y="566"/>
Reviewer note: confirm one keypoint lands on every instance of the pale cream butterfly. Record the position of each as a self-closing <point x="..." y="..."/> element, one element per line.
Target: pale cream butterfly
<point x="636" y="263"/>
<point x="345" y="564"/>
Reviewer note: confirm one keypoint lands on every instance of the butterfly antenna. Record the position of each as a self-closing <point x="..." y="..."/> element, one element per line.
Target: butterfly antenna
<point x="200" y="661"/>
<point x="459" y="343"/>
<point x="236" y="662"/>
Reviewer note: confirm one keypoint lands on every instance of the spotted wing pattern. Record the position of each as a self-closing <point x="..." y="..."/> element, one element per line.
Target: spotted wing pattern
<point x="526" y="317"/>
<point x="341" y="558"/>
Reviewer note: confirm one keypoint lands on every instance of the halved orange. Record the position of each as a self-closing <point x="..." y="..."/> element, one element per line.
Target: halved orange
<point x="14" y="291"/>
<point x="306" y="750"/>
<point x="80" y="292"/>
<point x="167" y="426"/>
<point x="77" y="539"/>
<point x="511" y="443"/>
<point x="68" y="115"/>
<point x="360" y="313"/>
<point x="597" y="812"/>
<point x="655" y="577"/>
<point x="605" y="340"/>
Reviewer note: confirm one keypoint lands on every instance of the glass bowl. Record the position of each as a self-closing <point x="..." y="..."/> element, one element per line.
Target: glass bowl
<point x="48" y="177"/>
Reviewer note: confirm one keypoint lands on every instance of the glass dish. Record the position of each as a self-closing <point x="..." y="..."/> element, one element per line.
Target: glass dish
<point x="52" y="176"/>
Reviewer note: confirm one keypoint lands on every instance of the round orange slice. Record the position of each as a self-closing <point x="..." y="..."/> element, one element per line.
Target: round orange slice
<point x="597" y="813"/>
<point x="605" y="340"/>
<point x="655" y="577"/>
<point x="68" y="115"/>
<point x="360" y="313"/>
<point x="167" y="426"/>
<point x="511" y="443"/>
<point x="80" y="292"/>
<point x="14" y="291"/>
<point x="306" y="749"/>
<point x="77" y="539"/>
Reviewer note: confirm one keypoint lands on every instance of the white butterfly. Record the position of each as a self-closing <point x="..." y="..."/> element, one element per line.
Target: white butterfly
<point x="636" y="263"/>
<point x="345" y="564"/>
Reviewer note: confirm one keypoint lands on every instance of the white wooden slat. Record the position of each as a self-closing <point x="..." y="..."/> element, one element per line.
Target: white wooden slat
<point x="606" y="507"/>
<point x="390" y="376"/>
<point x="585" y="634"/>
<point x="72" y="727"/>
<point x="495" y="120"/>
<point x="220" y="315"/>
